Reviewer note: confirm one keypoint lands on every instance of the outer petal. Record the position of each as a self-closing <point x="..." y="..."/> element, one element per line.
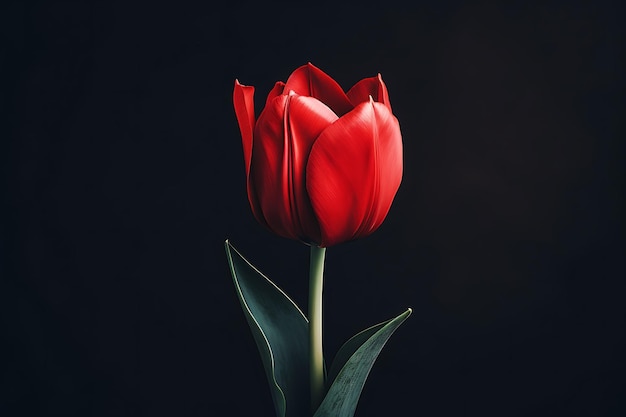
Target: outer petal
<point x="243" y="100"/>
<point x="308" y="80"/>
<point x="277" y="90"/>
<point x="354" y="171"/>
<point x="374" y="87"/>
<point x="284" y="135"/>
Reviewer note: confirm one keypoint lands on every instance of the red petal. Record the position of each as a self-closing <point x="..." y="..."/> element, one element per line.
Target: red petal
<point x="373" y="86"/>
<point x="308" y="80"/>
<point x="354" y="171"/>
<point x="284" y="135"/>
<point x="277" y="90"/>
<point x="243" y="99"/>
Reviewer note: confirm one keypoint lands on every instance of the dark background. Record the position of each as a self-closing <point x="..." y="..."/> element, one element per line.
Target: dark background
<point x="122" y="175"/>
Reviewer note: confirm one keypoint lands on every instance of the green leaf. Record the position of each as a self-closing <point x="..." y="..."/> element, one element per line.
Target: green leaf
<point x="348" y="349"/>
<point x="280" y="330"/>
<point x="352" y="365"/>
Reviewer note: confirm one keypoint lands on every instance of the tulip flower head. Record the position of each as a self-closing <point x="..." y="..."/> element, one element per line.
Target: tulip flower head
<point x="322" y="166"/>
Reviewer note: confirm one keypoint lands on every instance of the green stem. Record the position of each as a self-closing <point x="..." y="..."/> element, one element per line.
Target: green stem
<point x="316" y="354"/>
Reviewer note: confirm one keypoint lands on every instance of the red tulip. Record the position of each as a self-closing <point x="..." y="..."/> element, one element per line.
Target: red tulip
<point x="322" y="165"/>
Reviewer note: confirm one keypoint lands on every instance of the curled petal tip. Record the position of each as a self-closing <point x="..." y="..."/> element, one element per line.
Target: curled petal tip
<point x="311" y="66"/>
<point x="238" y="84"/>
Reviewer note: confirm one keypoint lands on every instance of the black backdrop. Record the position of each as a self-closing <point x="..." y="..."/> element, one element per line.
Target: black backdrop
<point x="123" y="176"/>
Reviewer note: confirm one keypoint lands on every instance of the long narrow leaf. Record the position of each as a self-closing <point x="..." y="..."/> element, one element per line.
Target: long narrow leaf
<point x="281" y="334"/>
<point x="343" y="395"/>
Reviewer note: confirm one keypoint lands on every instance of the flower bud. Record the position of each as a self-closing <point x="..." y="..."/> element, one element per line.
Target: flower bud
<point x="322" y="166"/>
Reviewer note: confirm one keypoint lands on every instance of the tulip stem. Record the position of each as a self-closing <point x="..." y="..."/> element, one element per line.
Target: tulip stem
<point x="316" y="354"/>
